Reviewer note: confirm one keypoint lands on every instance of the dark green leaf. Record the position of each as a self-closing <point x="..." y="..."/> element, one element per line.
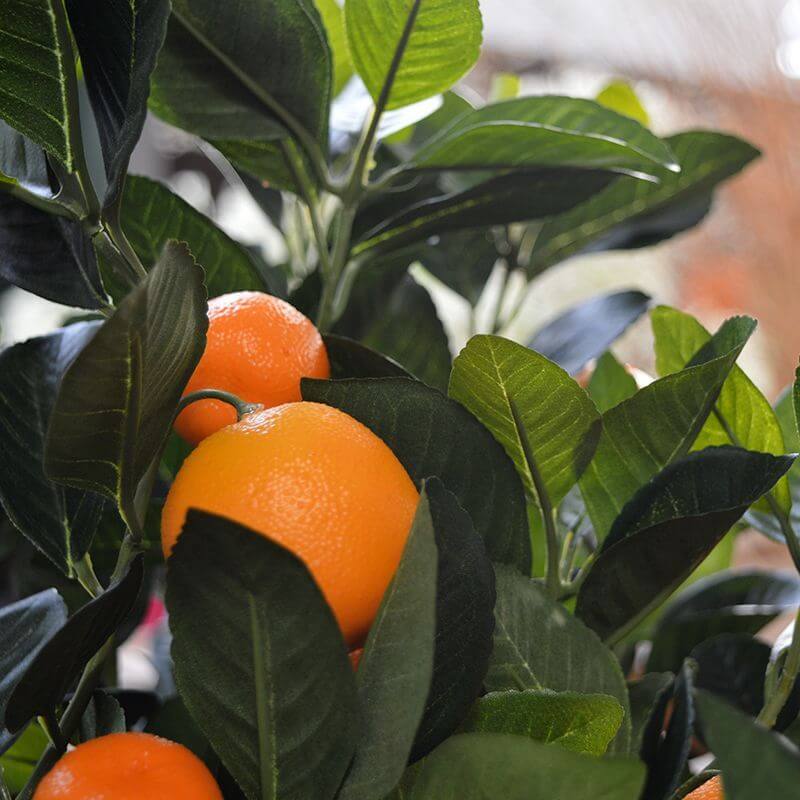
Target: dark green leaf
<point x="610" y="383"/>
<point x="636" y="444"/>
<point x="39" y="93"/>
<point x="486" y="766"/>
<point x="48" y="255"/>
<point x="58" y="664"/>
<point x="634" y="213"/>
<point x="507" y="198"/>
<point x="23" y="162"/>
<point x="586" y="331"/>
<point x="728" y="602"/>
<point x="58" y="520"/>
<point x="152" y="215"/>
<point x="755" y="762"/>
<point x="351" y="359"/>
<point x="666" y="531"/>
<point x="539" y="645"/>
<point x="648" y="701"/>
<point x="436" y="41"/>
<point x="259" y="661"/>
<point x="394" y="675"/>
<point x="558" y="419"/>
<point x="118" y="44"/>
<point x="547" y="131"/>
<point x="25" y="627"/>
<point x="742" y="415"/>
<point x="103" y="715"/>
<point x="465" y="597"/>
<point x="584" y="723"/>
<point x="434" y="436"/>
<point x="117" y="400"/>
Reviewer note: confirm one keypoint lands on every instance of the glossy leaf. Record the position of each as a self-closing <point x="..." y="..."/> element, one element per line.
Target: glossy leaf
<point x="59" y="521"/>
<point x="39" y="93"/>
<point x="351" y="359"/>
<point x="415" y="48"/>
<point x="547" y="131"/>
<point x="728" y="602"/>
<point x="668" y="529"/>
<point x="48" y="255"/>
<point x="434" y="436"/>
<point x="394" y="674"/>
<point x="539" y="645"/>
<point x="634" y="213"/>
<point x="586" y="331"/>
<point x="259" y="661"/>
<point x="636" y="444"/>
<point x="152" y="215"/>
<point x="25" y="626"/>
<point x="611" y="383"/>
<point x="742" y="415"/>
<point x="583" y="723"/>
<point x="118" y="44"/>
<point x="58" y="664"/>
<point x="129" y="378"/>
<point x="465" y="597"/>
<point x="755" y="762"/>
<point x="476" y="766"/>
<point x="557" y="417"/>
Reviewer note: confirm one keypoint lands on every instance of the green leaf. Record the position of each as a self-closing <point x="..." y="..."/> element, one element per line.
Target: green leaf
<point x="394" y="674"/>
<point x="610" y="383"/>
<point x="539" y="645"/>
<point x="152" y="215"/>
<point x="117" y="400"/>
<point x="728" y="602"/>
<point x="245" y="72"/>
<point x="59" y="521"/>
<point x="587" y="330"/>
<point x="636" y="444"/>
<point x="434" y="436"/>
<point x="22" y="162"/>
<point x="351" y="359"/>
<point x="505" y="86"/>
<point x="583" y="723"/>
<point x="620" y="96"/>
<point x="635" y="213"/>
<point x="558" y="418"/>
<point x="742" y="416"/>
<point x="408" y="50"/>
<point x="408" y="330"/>
<point x="465" y="597"/>
<point x="547" y="131"/>
<point x="118" y="44"/>
<point x="648" y="700"/>
<point x="259" y="661"/>
<point x="39" y="93"/>
<point x="56" y="666"/>
<point x="755" y="762"/>
<point x="50" y="256"/>
<point x="485" y="766"/>
<point x="18" y="763"/>
<point x="507" y="198"/>
<point x="25" y="626"/>
<point x="667" y="530"/>
<point x="103" y="716"/>
<point x="333" y="18"/>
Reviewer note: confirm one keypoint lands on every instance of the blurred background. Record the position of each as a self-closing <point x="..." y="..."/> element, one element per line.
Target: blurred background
<point x="727" y="64"/>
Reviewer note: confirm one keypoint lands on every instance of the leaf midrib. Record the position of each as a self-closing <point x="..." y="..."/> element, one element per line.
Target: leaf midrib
<point x="265" y="704"/>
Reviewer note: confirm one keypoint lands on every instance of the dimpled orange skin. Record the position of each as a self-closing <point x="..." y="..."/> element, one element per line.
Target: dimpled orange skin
<point x="316" y="481"/>
<point x="129" y="766"/>
<point x="258" y="347"/>
<point x="710" y="790"/>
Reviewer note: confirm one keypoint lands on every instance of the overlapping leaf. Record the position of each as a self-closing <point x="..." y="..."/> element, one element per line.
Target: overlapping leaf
<point x="610" y="383"/>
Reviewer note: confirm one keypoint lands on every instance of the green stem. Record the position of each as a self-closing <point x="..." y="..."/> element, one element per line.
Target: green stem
<point x="786" y="681"/>
<point x="84" y="572"/>
<point x="113" y="226"/>
<point x="241" y="407"/>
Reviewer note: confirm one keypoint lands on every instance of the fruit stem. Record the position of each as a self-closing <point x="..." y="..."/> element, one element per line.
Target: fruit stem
<point x="242" y="408"/>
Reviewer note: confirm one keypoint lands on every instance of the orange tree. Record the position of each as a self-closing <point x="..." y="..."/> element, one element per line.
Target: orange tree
<point x="520" y="649"/>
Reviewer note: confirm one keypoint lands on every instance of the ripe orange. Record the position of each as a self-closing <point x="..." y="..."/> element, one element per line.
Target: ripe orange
<point x="316" y="481"/>
<point x="258" y="348"/>
<point x="710" y="790"/>
<point x="129" y="766"/>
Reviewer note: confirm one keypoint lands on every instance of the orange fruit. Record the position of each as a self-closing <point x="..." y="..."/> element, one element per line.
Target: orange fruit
<point x="128" y="766"/>
<point x="258" y="347"/>
<point x="710" y="790"/>
<point x="319" y="483"/>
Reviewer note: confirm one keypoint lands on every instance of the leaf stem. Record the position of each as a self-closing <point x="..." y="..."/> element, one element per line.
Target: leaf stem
<point x="84" y="572"/>
<point x="786" y="681"/>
